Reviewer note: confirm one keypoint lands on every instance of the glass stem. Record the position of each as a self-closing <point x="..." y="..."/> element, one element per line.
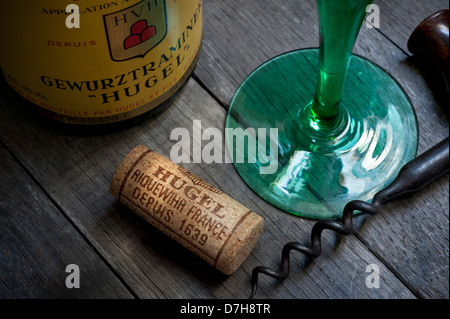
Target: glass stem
<point x="339" y="23"/>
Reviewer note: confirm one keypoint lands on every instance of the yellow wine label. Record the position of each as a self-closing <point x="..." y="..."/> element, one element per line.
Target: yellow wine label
<point x="121" y="59"/>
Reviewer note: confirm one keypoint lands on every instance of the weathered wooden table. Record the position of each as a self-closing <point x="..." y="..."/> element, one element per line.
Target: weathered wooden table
<point x="56" y="210"/>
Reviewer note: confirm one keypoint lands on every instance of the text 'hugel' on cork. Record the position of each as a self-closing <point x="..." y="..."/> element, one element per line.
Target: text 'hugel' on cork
<point x="197" y="215"/>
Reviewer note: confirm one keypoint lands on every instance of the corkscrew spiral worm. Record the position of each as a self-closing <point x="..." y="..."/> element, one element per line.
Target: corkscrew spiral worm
<point x="413" y="177"/>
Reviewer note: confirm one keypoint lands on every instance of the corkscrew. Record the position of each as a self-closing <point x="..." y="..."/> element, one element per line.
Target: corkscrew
<point x="430" y="42"/>
<point x="413" y="177"/>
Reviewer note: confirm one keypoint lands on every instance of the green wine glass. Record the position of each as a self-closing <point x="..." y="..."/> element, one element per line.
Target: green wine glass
<point x="313" y="129"/>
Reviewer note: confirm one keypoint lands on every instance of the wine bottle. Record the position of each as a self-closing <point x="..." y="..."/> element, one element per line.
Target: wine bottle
<point x="100" y="63"/>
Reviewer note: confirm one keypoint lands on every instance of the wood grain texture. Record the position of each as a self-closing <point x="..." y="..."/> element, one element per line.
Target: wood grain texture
<point x="75" y="172"/>
<point x="400" y="18"/>
<point x="408" y="239"/>
<point x="237" y="44"/>
<point x="37" y="244"/>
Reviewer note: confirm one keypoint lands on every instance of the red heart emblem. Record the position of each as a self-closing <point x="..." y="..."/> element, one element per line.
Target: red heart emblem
<point x="138" y="27"/>
<point x="148" y="33"/>
<point x="132" y="41"/>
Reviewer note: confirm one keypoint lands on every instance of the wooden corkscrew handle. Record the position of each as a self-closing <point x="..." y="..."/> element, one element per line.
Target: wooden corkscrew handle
<point x="430" y="42"/>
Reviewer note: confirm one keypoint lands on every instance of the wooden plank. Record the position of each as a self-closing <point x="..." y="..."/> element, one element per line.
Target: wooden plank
<point x="416" y="226"/>
<point x="411" y="235"/>
<point x="37" y="244"/>
<point x="75" y="171"/>
<point x="237" y="43"/>
<point x="240" y="35"/>
<point x="398" y="19"/>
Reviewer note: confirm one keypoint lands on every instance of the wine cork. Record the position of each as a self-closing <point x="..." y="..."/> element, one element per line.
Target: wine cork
<point x="197" y="215"/>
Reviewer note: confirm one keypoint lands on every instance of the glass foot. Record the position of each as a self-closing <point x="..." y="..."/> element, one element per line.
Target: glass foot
<point x="312" y="168"/>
